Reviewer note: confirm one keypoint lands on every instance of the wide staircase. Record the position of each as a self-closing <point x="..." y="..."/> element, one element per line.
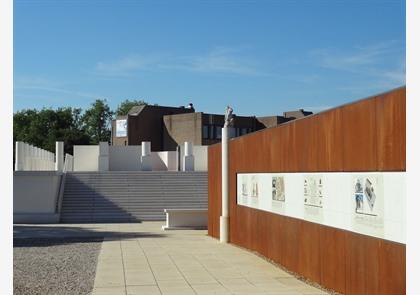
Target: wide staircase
<point x="130" y="196"/>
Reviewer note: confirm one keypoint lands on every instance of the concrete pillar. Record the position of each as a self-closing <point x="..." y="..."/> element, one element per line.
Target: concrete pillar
<point x="26" y="158"/>
<point x="188" y="157"/>
<point x="59" y="155"/>
<point x="43" y="160"/>
<point x="146" y="156"/>
<point x="224" y="219"/>
<point x="52" y="161"/>
<point x="36" y="158"/>
<point x="19" y="156"/>
<point x="31" y="157"/>
<point x="103" y="159"/>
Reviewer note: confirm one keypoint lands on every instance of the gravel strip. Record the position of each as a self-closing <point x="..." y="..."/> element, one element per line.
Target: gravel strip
<point x="54" y="266"/>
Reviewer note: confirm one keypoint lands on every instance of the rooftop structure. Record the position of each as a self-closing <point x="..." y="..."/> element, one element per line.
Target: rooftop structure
<point x="169" y="127"/>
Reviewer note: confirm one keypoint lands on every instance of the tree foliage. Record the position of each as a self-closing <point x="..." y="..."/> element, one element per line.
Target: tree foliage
<point x="125" y="106"/>
<point x="97" y="121"/>
<point x="44" y="127"/>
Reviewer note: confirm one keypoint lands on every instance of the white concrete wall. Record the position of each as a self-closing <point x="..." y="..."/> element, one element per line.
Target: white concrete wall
<point x="85" y="157"/>
<point x="128" y="158"/>
<point x="34" y="196"/>
<point x="172" y="161"/>
<point x="200" y="157"/>
<point x="125" y="158"/>
<point x="164" y="161"/>
<point x="32" y="158"/>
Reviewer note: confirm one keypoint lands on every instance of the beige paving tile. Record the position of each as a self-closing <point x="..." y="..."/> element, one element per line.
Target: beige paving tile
<point x="109" y="291"/>
<point x="143" y="290"/>
<point x="272" y="286"/>
<point x="210" y="289"/>
<point x="195" y="280"/>
<point x="186" y="262"/>
<point x="309" y="290"/>
<point x="170" y="287"/>
<point x="292" y="282"/>
<point x="284" y="292"/>
<point x="239" y="285"/>
<point x="139" y="277"/>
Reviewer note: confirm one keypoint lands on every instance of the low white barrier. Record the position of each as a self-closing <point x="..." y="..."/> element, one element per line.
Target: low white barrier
<point x="185" y="219"/>
<point x="31" y="158"/>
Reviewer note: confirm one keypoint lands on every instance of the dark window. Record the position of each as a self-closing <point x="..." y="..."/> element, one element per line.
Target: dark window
<point x="205" y="131"/>
<point x="211" y="132"/>
<point x="218" y="132"/>
<point x="243" y="131"/>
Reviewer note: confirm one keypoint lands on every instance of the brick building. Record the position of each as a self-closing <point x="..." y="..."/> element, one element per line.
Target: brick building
<point x="168" y="127"/>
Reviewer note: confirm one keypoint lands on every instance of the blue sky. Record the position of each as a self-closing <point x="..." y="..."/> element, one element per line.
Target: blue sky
<point x="262" y="57"/>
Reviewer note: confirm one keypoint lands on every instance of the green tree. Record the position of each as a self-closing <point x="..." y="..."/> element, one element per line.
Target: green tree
<point x="97" y="121"/>
<point x="43" y="128"/>
<point x="125" y="106"/>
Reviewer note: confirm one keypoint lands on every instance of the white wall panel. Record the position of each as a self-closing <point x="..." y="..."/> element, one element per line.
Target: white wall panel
<point x="334" y="201"/>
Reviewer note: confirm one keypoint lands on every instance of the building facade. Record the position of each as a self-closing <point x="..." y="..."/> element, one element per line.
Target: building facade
<point x="169" y="127"/>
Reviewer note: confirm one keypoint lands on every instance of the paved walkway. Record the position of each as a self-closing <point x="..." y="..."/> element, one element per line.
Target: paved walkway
<point x="143" y="259"/>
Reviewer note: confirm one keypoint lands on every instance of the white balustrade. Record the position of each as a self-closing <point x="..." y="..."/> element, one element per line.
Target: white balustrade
<point x="31" y="158"/>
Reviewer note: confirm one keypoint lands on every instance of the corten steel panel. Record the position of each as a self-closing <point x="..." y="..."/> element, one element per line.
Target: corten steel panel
<point x="390" y="122"/>
<point x="332" y="255"/>
<point x="330" y="141"/>
<point x="305" y="143"/>
<point x="368" y="135"/>
<point x="262" y="232"/>
<point x="362" y="264"/>
<point x="392" y="267"/>
<point x="291" y="247"/>
<point x="214" y="189"/>
<point x="274" y="238"/>
<point x="242" y="226"/>
<point x="279" y="149"/>
<point x="309" y="251"/>
<point x="359" y="136"/>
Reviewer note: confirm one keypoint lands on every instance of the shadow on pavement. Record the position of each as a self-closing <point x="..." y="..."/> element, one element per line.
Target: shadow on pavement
<point x="25" y="236"/>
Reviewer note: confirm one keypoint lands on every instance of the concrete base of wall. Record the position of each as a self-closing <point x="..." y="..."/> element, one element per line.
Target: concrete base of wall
<point x="36" y="218"/>
<point x="185" y="219"/>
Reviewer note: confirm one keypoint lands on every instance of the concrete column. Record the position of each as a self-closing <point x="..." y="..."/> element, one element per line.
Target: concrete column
<point x="103" y="159"/>
<point x="37" y="158"/>
<point x="146" y="156"/>
<point x="26" y="158"/>
<point x="59" y="155"/>
<point x="224" y="219"/>
<point x="188" y="157"/>
<point x="43" y="160"/>
<point x="19" y="156"/>
<point x="52" y="161"/>
<point x="31" y="157"/>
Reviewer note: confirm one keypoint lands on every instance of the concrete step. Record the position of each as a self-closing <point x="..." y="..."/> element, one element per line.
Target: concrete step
<point x="130" y="196"/>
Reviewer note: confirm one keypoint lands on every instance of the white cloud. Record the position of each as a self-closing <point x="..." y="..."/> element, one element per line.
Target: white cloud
<point x="383" y="64"/>
<point x="218" y="60"/>
<point x="354" y="58"/>
<point x="47" y="85"/>
<point x="126" y="65"/>
<point x="223" y="60"/>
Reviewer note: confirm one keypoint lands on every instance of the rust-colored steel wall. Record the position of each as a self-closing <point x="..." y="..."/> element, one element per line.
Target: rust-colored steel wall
<point x="368" y="135"/>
